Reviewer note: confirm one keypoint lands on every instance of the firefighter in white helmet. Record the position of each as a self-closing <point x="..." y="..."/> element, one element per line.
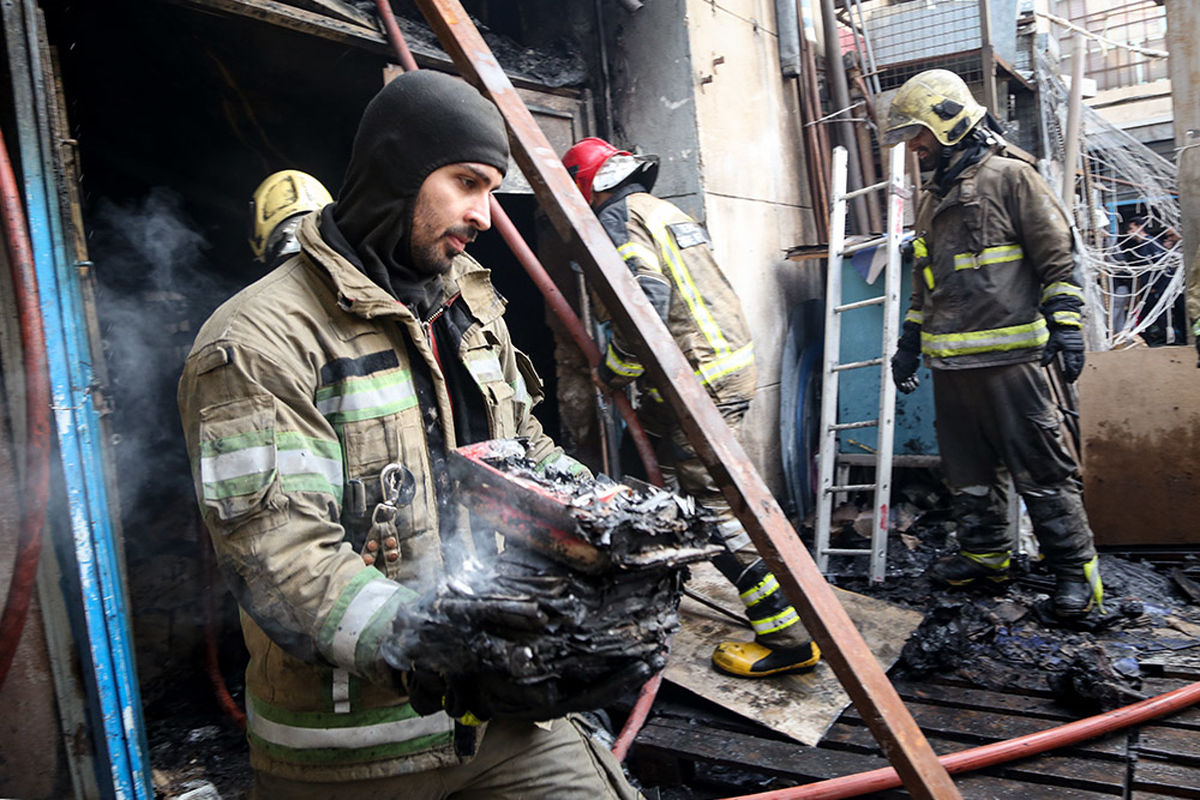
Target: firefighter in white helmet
<point x="994" y="295"/>
<point x="669" y="254"/>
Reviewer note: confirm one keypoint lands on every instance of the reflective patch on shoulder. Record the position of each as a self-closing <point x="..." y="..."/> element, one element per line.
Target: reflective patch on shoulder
<point x="237" y="455"/>
<point x="688" y="234"/>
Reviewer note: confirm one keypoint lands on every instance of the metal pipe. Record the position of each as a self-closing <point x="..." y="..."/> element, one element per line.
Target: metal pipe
<point x="637" y="717"/>
<point x="550" y="291"/>
<point x="559" y="305"/>
<point x="835" y="74"/>
<point x="392" y="28"/>
<point x="706" y="429"/>
<point x="212" y="659"/>
<point x="1074" y="112"/>
<point x="987" y="55"/>
<point x="605" y="77"/>
<point x="815" y="144"/>
<point x="788" y="28"/>
<point x="35" y="482"/>
<point x="988" y="755"/>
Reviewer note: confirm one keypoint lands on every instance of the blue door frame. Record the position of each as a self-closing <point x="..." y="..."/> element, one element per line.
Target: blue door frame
<point x="101" y="609"/>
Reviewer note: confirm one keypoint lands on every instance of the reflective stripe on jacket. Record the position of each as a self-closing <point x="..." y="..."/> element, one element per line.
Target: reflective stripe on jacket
<point x="999" y="246"/>
<point x="298" y="391"/>
<point x="670" y="255"/>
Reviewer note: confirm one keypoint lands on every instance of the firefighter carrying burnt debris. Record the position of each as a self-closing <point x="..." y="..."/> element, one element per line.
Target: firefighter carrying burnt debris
<point x="669" y="254"/>
<point x="994" y="295"/>
<point x="319" y="405"/>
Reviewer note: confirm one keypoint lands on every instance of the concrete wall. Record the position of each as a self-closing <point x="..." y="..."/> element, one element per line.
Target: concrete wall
<point x="711" y="100"/>
<point x="653" y="90"/>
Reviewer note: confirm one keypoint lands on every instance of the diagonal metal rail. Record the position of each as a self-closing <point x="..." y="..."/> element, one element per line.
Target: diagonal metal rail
<point x="860" y="674"/>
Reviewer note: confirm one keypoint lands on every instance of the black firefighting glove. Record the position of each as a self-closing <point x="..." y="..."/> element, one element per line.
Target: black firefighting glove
<point x="487" y="695"/>
<point x="907" y="358"/>
<point x="1069" y="342"/>
<point x="1196" y="335"/>
<point x="1066" y="335"/>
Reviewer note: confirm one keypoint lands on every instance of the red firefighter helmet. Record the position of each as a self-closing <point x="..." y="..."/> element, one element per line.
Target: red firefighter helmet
<point x="597" y="166"/>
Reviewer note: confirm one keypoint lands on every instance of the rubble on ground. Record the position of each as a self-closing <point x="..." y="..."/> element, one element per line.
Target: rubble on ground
<point x="996" y="637"/>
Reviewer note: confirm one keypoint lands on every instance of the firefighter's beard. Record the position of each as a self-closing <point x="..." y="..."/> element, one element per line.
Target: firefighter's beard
<point x="433" y="252"/>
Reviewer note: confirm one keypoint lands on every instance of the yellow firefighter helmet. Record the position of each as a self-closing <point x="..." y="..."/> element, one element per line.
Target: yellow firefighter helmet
<point x="281" y="196"/>
<point x="937" y="100"/>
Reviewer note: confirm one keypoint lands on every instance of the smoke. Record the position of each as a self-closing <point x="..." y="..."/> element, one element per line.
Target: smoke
<point x="154" y="289"/>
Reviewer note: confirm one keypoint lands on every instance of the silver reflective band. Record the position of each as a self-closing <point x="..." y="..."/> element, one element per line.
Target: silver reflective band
<point x="371" y="398"/>
<point x="250" y="461"/>
<point x="358" y="736"/>
<point x="303" y="462"/>
<point x="370" y="598"/>
<point x="485" y="369"/>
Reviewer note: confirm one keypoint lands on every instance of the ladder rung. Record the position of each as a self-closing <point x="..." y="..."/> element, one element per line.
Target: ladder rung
<point x="850" y="487"/>
<point x="858" y="364"/>
<point x="864" y="190"/>
<point x="846" y="551"/>
<point x="870" y="301"/>
<point x="869" y="243"/>
<point x="846" y="426"/>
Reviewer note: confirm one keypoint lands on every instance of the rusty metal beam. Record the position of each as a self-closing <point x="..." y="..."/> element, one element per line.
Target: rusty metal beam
<point x="877" y="701"/>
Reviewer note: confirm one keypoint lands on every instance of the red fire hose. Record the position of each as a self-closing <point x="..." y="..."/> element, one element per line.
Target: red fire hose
<point x="212" y="659"/>
<point x="998" y="752"/>
<point x="35" y="493"/>
<point x="554" y="298"/>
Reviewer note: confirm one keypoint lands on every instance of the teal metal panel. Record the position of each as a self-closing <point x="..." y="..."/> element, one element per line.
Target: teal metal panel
<point x="858" y="393"/>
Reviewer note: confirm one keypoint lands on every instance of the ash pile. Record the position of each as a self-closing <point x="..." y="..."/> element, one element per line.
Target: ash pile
<point x="576" y="610"/>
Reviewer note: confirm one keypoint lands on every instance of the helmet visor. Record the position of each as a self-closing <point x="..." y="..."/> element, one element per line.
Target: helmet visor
<point x="902" y="133"/>
<point x="615" y="170"/>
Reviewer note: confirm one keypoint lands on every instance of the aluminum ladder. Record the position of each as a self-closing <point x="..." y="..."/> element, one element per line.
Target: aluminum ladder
<point x="885" y="422"/>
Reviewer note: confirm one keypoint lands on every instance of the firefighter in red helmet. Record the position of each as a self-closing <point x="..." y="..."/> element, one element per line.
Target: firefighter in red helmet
<point x="669" y="254"/>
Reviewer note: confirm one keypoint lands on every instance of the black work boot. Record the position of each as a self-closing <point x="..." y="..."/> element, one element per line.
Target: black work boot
<point x="963" y="568"/>
<point x="1077" y="590"/>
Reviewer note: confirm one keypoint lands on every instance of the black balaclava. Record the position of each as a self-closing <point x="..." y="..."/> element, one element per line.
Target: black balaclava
<point x="969" y="150"/>
<point x="419" y="122"/>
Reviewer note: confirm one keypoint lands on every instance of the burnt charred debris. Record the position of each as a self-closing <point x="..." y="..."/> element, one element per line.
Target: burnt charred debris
<point x="578" y="607"/>
<point x="1006" y="637"/>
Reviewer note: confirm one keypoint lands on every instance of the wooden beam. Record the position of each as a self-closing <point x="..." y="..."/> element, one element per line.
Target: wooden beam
<point x="296" y="19"/>
<point x="845" y="650"/>
<point x="340" y="10"/>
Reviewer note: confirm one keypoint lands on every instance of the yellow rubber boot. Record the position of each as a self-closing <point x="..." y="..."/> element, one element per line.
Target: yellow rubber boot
<point x="754" y="660"/>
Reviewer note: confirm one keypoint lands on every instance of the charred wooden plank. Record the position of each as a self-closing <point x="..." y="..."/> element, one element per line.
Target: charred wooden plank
<point x="972" y="728"/>
<point x="338" y="9"/>
<point x="1181" y="746"/>
<point x="1165" y="778"/>
<point x="984" y="700"/>
<point x="679" y="738"/>
<point x="296" y="19"/>
<point x="796" y="761"/>
<point x="981" y="786"/>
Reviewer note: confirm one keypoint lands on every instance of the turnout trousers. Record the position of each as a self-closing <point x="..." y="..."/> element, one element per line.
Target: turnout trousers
<point x="776" y="624"/>
<point x="997" y="420"/>
<point x="516" y="761"/>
